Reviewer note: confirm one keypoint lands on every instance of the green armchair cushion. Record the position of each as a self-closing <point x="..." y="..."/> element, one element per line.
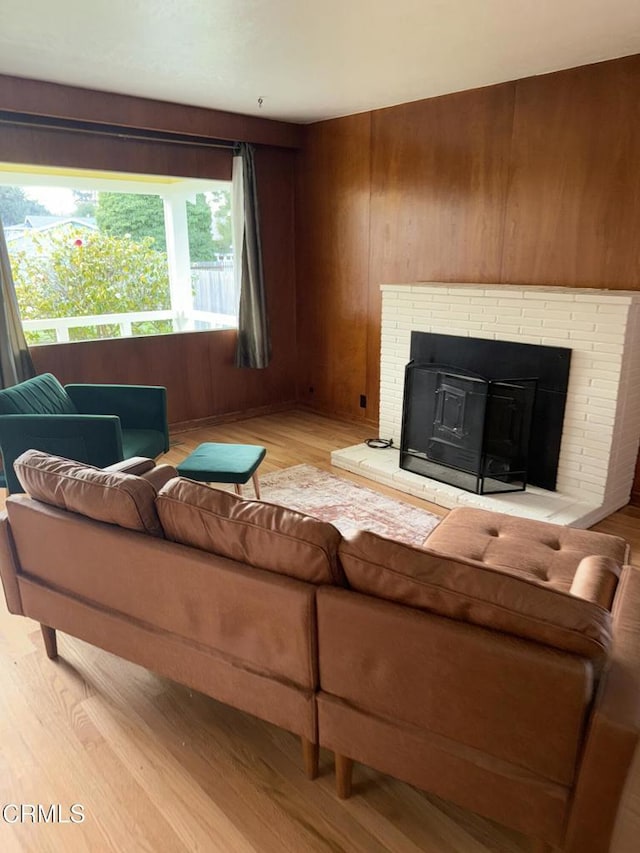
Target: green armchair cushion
<point x="42" y="395"/>
<point x="143" y="442"/>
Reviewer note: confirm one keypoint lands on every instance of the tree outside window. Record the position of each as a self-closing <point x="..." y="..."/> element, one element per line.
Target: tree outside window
<point x="109" y="257"/>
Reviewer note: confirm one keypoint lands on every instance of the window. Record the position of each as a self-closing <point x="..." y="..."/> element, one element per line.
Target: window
<point x="102" y="255"/>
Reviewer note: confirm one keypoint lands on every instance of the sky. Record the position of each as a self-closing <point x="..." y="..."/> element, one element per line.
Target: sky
<point x="55" y="199"/>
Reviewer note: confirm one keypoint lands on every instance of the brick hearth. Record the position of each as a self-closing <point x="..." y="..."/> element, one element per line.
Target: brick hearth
<point x="602" y="420"/>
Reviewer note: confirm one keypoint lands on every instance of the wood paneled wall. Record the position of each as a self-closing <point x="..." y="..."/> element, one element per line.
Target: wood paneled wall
<point x="573" y="209"/>
<point x="196" y="367"/>
<point x="332" y="237"/>
<point x="535" y="181"/>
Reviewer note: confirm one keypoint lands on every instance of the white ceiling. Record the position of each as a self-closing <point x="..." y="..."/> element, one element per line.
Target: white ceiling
<point x="307" y="60"/>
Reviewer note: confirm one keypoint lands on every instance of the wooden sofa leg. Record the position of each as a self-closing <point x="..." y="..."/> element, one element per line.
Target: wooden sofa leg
<point x="310" y="753"/>
<point x="50" y="642"/>
<point x="344" y="768"/>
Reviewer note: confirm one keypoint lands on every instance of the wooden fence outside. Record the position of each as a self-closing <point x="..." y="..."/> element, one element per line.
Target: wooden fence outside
<point x="214" y="287"/>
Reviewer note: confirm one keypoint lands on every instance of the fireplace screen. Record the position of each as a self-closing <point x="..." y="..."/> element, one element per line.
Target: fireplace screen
<point x="465" y="430"/>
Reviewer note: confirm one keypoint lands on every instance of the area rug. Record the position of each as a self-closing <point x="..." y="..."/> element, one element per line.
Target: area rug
<point x="345" y="504"/>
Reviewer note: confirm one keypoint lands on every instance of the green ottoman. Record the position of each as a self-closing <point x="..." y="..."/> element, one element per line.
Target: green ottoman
<point x="224" y="463"/>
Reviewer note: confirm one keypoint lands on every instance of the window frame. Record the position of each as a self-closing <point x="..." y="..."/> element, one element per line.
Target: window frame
<point x="174" y="191"/>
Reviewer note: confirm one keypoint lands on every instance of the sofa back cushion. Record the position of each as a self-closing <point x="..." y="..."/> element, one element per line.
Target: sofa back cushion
<point x="109" y="496"/>
<point x="261" y="534"/>
<point x="42" y="395"/>
<point x="473" y="592"/>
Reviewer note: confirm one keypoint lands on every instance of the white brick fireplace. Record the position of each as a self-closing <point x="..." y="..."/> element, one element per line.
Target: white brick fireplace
<point x="602" y="418"/>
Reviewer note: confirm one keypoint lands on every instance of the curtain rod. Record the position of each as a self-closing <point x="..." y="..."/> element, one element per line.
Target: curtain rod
<point x="113" y="130"/>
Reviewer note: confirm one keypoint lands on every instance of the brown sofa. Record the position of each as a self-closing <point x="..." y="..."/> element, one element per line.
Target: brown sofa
<point x="498" y="666"/>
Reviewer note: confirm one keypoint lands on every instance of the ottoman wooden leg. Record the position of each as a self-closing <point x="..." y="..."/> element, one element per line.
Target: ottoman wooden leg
<point x="50" y="642"/>
<point x="256" y="484"/>
<point x="238" y="488"/>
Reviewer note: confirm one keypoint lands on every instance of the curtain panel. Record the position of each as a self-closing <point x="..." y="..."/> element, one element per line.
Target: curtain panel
<point x="254" y="340"/>
<point x="15" y="360"/>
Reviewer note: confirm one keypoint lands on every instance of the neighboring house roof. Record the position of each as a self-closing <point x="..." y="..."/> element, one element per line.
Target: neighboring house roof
<point x="19" y="237"/>
<point x="40" y="223"/>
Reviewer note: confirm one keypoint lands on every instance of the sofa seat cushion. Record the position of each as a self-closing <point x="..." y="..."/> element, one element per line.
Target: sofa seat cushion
<point x="476" y="593"/>
<point x="142" y="442"/>
<point x="261" y="534"/>
<point x="113" y="497"/>
<point x="42" y="395"/>
<point x="547" y="553"/>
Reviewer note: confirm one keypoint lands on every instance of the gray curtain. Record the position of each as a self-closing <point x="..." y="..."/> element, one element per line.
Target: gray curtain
<point x="15" y="360"/>
<point x="254" y="340"/>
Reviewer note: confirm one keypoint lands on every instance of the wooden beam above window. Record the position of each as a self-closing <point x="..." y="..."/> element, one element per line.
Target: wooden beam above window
<point x="71" y="103"/>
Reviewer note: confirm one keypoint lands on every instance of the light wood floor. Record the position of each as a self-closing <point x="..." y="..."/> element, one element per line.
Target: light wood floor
<point x="161" y="768"/>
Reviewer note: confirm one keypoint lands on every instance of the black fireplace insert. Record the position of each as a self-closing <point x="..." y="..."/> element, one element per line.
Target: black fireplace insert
<point x="516" y="423"/>
<point x="463" y="429"/>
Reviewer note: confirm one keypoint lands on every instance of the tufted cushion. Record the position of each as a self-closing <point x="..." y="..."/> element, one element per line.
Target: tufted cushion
<point x="547" y="553"/>
<point x="261" y="534"/>
<point x="476" y="593"/>
<point x="109" y="496"/>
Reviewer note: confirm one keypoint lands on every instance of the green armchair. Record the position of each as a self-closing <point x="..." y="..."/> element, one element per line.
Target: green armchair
<point x="96" y="424"/>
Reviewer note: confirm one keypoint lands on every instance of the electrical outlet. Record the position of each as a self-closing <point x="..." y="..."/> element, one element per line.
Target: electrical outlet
<point x="363" y="401"/>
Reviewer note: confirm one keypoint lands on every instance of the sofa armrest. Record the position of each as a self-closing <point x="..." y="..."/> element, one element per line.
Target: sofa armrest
<point x="9" y="567"/>
<point x="157" y="475"/>
<point x="614" y="729"/>
<point x="94" y="439"/>
<point x="137" y="406"/>
<point x="138" y="465"/>
<point x="160" y="476"/>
